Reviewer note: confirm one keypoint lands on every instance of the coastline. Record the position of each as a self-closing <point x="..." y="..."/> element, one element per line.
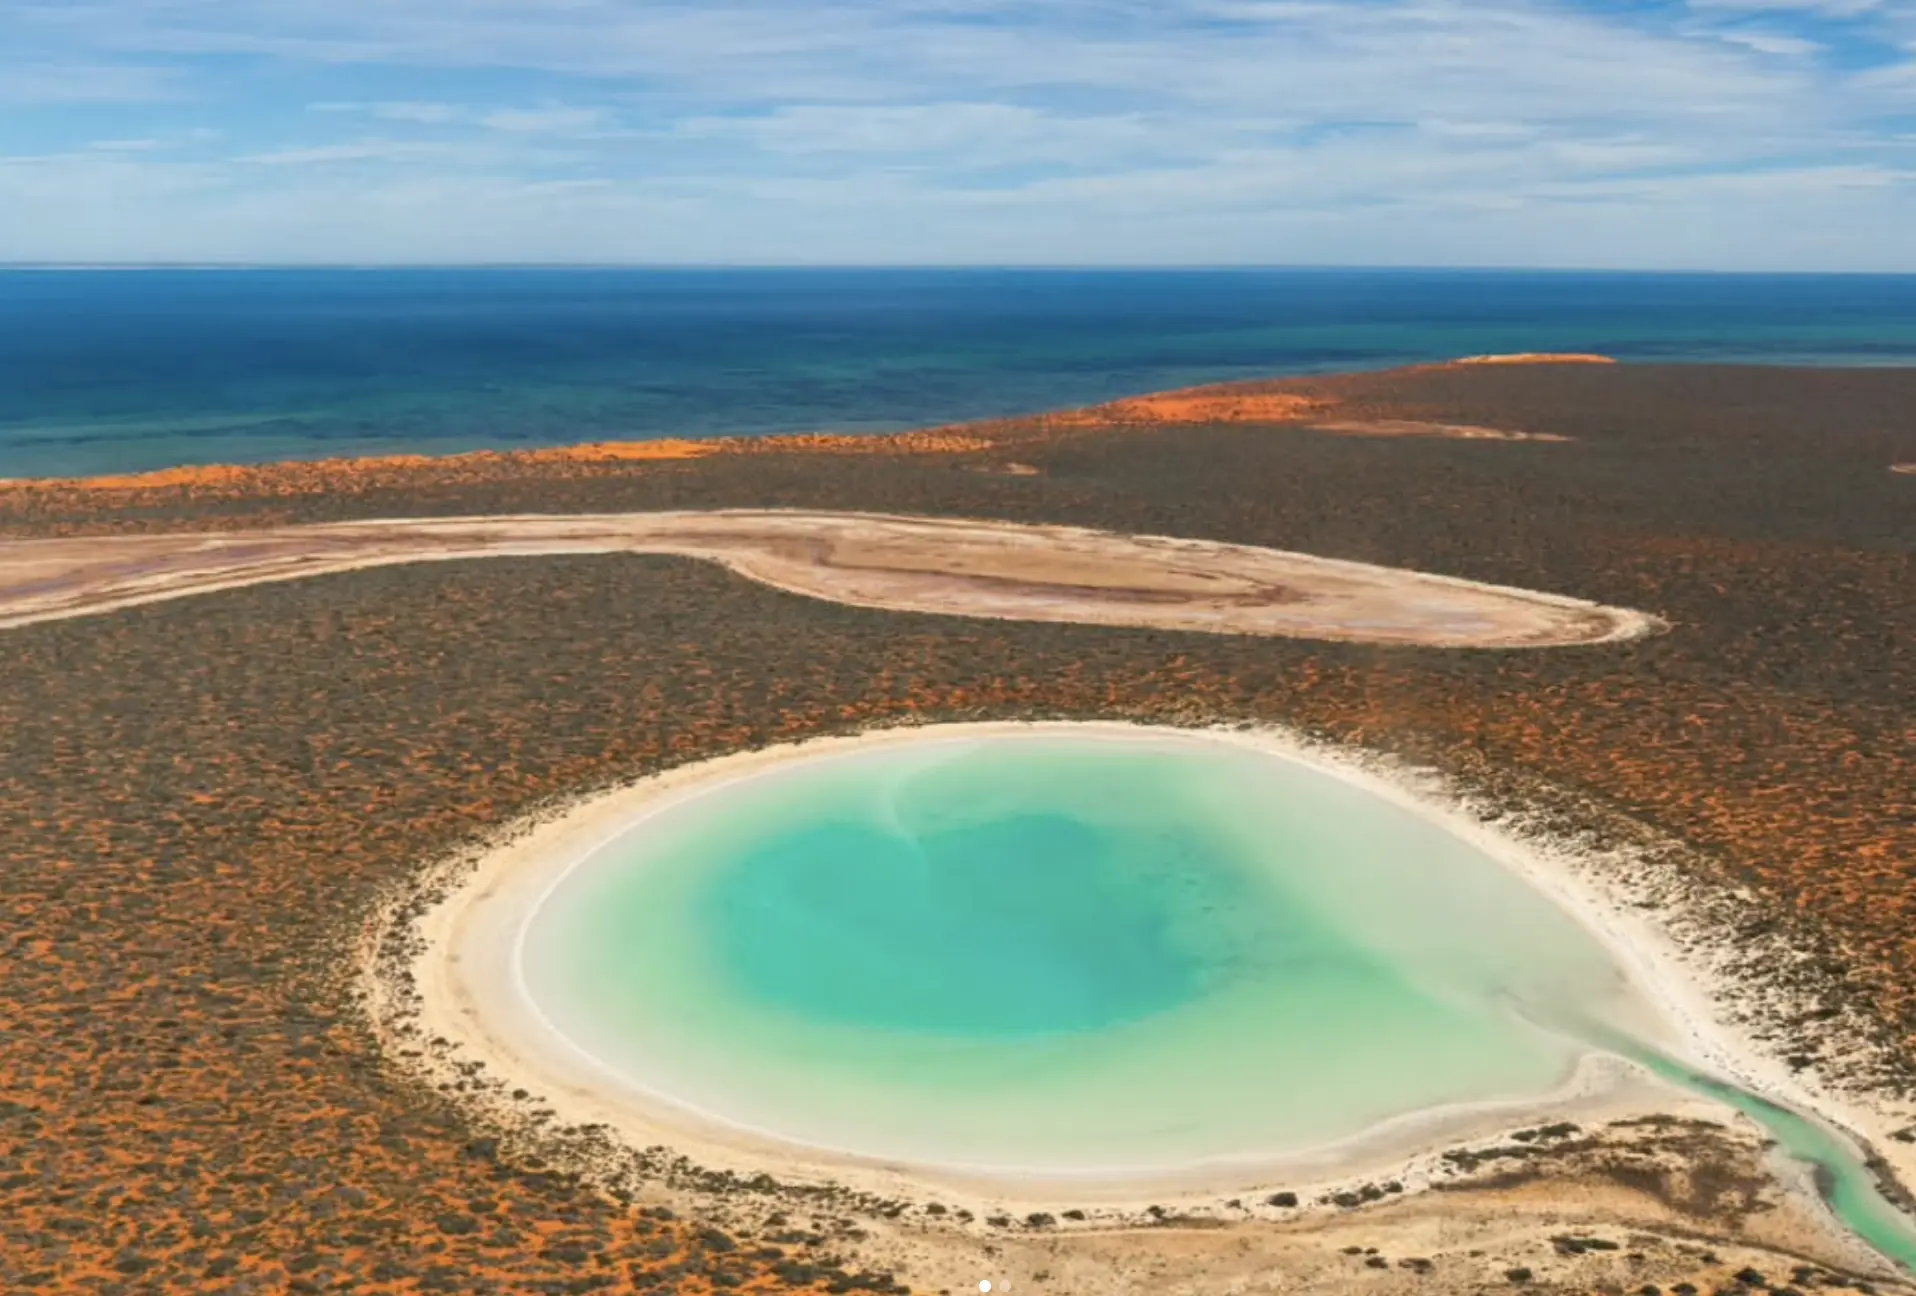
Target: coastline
<point x="458" y="994"/>
<point x="1261" y="401"/>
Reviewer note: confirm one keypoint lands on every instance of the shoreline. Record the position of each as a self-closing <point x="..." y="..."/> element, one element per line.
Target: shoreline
<point x="1255" y="400"/>
<point x="490" y="887"/>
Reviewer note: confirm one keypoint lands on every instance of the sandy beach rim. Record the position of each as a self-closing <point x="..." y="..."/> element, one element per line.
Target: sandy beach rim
<point x="468" y="992"/>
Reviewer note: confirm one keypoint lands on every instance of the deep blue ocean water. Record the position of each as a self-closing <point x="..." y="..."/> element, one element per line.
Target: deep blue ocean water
<point x="108" y="371"/>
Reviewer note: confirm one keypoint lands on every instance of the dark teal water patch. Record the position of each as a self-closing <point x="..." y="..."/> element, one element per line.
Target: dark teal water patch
<point x="1018" y="926"/>
<point x="999" y="899"/>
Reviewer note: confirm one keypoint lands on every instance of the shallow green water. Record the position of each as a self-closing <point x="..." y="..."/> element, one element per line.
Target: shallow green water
<point x="1073" y="954"/>
<point x="1843" y="1179"/>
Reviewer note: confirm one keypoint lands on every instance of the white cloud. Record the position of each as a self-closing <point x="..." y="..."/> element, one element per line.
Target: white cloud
<point x="83" y="83"/>
<point x="967" y="135"/>
<point x="355" y="151"/>
<point x="431" y="114"/>
<point x="556" y="120"/>
<point x="1896" y="78"/>
<point x="1268" y="209"/>
<point x="418" y="112"/>
<point x="1141" y="129"/>
<point x="1818" y="8"/>
<point x="1770" y="43"/>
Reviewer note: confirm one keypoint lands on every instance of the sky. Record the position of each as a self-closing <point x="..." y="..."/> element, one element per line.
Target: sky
<point x="1653" y="134"/>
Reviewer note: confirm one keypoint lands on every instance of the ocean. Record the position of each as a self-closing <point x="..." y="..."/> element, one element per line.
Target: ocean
<point x="127" y="370"/>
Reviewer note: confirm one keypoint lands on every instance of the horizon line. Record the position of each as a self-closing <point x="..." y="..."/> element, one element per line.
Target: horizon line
<point x="948" y="266"/>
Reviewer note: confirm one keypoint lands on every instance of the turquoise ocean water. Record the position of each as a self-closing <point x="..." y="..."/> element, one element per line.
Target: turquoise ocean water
<point x="1064" y="954"/>
<point x="113" y="371"/>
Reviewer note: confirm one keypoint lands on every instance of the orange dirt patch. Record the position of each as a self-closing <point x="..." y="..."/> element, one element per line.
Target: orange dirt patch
<point x="328" y="474"/>
<point x="622" y="451"/>
<point x="1903" y="468"/>
<point x="933" y="441"/>
<point x="300" y="477"/>
<point x="207" y="475"/>
<point x="1229" y="403"/>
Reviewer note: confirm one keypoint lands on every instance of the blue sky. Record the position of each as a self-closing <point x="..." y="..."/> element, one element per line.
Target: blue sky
<point x="1725" y="134"/>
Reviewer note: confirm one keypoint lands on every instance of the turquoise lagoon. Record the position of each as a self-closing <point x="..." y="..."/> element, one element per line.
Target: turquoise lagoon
<point x="1059" y="953"/>
<point x="1087" y="954"/>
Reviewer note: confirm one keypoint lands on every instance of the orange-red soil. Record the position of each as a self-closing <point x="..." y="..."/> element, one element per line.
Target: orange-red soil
<point x="204" y="799"/>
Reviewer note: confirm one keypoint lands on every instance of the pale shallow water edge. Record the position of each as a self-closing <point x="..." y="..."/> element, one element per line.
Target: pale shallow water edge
<point x="443" y="1010"/>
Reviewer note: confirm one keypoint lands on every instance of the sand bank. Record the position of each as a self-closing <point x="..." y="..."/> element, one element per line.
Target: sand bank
<point x="458" y="982"/>
<point x="904" y="564"/>
<point x="1536" y="357"/>
<point x="1420" y="428"/>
